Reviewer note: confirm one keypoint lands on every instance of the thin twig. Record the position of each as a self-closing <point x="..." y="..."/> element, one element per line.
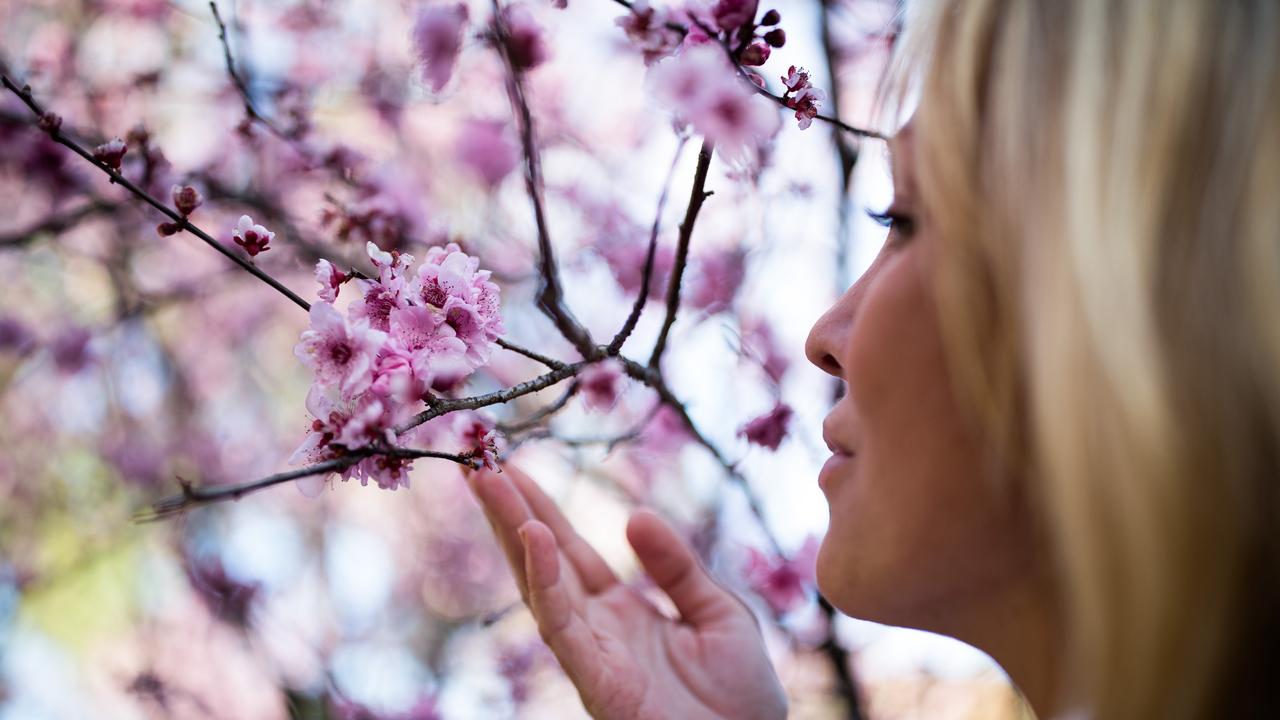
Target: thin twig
<point x="549" y="362"/>
<point x="541" y="415"/>
<point x="697" y="196"/>
<point x="24" y="93"/>
<point x="195" y="496"/>
<point x="646" y="277"/>
<point x="241" y="85"/>
<point x="443" y="406"/>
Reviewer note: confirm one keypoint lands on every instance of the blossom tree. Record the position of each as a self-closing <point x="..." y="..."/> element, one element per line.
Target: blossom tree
<point x="403" y="197"/>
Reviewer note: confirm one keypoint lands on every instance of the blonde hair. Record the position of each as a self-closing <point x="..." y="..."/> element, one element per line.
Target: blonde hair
<point x="1105" y="176"/>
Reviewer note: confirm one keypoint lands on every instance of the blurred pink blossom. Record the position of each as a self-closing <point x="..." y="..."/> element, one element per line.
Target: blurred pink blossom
<point x="733" y="14"/>
<point x="769" y="429"/>
<point x="437" y="38"/>
<point x="111" y="153"/>
<point x="485" y="147"/>
<point x="781" y="583"/>
<point x="601" y="384"/>
<point x="719" y="275"/>
<point x="329" y="278"/>
<point x="704" y="90"/>
<point x="647" y="28"/>
<point x="526" y="44"/>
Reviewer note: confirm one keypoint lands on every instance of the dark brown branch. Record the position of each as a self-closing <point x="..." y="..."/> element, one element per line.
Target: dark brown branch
<point x="55" y="224"/>
<point x="24" y="93"/>
<point x="549" y="362"/>
<point x="646" y="277"/>
<point x="195" y="496"/>
<point x="551" y="294"/>
<point x="697" y="196"/>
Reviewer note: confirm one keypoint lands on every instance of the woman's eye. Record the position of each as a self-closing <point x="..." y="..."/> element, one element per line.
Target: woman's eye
<point x="900" y="224"/>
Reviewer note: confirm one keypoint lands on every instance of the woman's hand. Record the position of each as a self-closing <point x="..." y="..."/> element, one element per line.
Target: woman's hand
<point x="627" y="659"/>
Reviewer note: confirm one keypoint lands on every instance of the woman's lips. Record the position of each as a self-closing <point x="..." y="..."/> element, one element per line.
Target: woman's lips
<point x="832" y="467"/>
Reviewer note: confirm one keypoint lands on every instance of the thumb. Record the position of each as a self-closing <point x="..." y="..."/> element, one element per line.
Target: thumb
<point x="672" y="565"/>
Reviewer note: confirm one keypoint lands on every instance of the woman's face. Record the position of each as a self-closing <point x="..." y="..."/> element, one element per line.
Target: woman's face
<point x="917" y="536"/>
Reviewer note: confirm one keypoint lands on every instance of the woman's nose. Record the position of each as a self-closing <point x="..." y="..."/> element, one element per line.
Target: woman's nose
<point x="826" y="338"/>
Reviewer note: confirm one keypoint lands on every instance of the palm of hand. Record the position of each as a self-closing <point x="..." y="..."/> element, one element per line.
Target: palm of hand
<point x="627" y="659"/>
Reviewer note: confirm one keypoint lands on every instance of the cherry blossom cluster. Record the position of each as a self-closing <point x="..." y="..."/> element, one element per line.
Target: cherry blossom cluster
<point x="802" y="96"/>
<point x="404" y="336"/>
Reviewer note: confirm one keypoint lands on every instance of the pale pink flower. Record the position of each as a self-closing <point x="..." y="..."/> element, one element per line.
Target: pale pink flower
<point x="437" y="38"/>
<point x="329" y="278"/>
<point x="759" y="343"/>
<point x="340" y="352"/>
<point x="451" y="282"/>
<point x="704" y="90"/>
<point x="425" y="336"/>
<point x="769" y="429"/>
<point x="388" y="293"/>
<point x="478" y="437"/>
<point x="647" y="28"/>
<point x="782" y="583"/>
<point x="487" y="149"/>
<point x="253" y="238"/>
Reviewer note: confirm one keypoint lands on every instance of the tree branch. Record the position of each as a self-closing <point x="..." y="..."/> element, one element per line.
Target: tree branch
<point x="549" y="362"/>
<point x="55" y="224"/>
<point x="696" y="197"/>
<point x="24" y="93"/>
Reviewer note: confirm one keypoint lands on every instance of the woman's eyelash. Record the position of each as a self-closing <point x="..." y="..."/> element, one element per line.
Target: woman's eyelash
<point x="892" y="220"/>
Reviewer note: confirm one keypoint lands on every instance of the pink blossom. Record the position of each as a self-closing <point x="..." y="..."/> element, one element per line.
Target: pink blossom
<point x="782" y="583"/>
<point x="703" y="89"/>
<point x="382" y="296"/>
<point x="342" y="426"/>
<point x="340" y="352"/>
<point x="802" y="96"/>
<point x="425" y="335"/>
<point x="373" y="219"/>
<point x="186" y="199"/>
<point x="759" y="343"/>
<point x="733" y="14"/>
<point x="479" y="439"/>
<point x="111" y="153"/>
<point x="253" y="238"/>
<point x="526" y="45"/>
<point x="647" y="28"/>
<point x="70" y="349"/>
<point x="720" y="274"/>
<point x="486" y="148"/>
<point x="437" y="37"/>
<point x="451" y="282"/>
<point x="769" y="429"/>
<point x="329" y="278"/>
<point x="601" y="384"/>
<point x="15" y="337"/>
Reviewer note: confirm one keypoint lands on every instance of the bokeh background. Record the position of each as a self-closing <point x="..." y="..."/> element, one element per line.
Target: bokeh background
<point x="130" y="360"/>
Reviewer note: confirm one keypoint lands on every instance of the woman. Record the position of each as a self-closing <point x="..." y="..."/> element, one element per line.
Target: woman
<point x="1061" y="437"/>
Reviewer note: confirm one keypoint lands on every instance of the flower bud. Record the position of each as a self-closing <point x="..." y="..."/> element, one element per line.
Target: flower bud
<point x="776" y="37"/>
<point x="168" y="228"/>
<point x="186" y="199"/>
<point x="771" y="18"/>
<point x="755" y="54"/>
<point x="111" y="153"/>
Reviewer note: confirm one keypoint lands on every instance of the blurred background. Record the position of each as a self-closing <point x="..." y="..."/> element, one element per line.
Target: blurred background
<point x="129" y="361"/>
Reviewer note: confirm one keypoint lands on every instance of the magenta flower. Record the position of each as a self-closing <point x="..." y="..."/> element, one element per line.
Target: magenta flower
<point x="802" y="96"/>
<point x="525" y="42"/>
<point x="186" y="199"/>
<point x="733" y="14"/>
<point x="253" y="238"/>
<point x="437" y="38"/>
<point x="780" y="582"/>
<point x="601" y="384"/>
<point x="382" y="296"/>
<point x="720" y="274"/>
<point x="424" y="335"/>
<point x="769" y="429"/>
<point x="340" y="352"/>
<point x="111" y="153"/>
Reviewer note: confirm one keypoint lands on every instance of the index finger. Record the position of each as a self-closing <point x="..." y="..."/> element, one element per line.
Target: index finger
<point x="593" y="571"/>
